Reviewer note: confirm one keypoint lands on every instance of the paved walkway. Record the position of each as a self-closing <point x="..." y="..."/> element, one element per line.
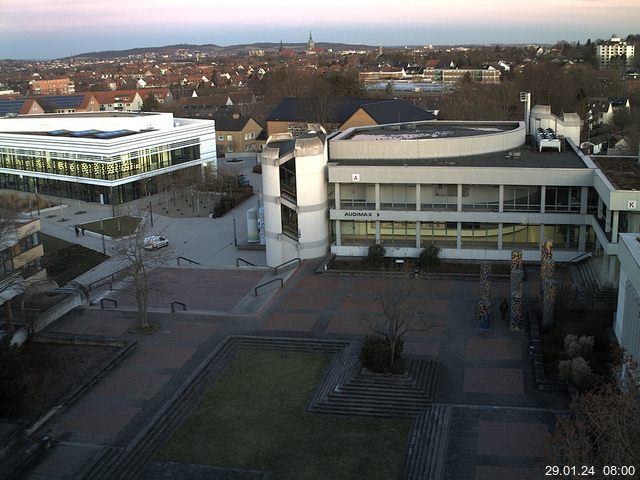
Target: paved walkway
<point x="500" y="420"/>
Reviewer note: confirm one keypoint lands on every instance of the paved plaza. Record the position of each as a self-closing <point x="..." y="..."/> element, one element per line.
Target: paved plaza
<point x="499" y="422"/>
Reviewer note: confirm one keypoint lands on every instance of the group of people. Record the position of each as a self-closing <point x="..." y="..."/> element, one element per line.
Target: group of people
<point x="79" y="229"/>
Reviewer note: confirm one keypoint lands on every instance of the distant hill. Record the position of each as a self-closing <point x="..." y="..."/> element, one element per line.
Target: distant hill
<point x="212" y="48"/>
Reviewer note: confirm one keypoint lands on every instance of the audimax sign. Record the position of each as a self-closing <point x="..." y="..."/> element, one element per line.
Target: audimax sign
<point x="361" y="214"/>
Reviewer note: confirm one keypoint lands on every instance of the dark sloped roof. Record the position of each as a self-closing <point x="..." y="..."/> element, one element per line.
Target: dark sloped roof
<point x="11" y="107"/>
<point x="305" y="109"/>
<point x="227" y="123"/>
<point x="59" y="102"/>
<point x="396" y="111"/>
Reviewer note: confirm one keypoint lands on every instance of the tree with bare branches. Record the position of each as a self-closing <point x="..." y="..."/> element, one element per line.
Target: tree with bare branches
<point x="399" y="317"/>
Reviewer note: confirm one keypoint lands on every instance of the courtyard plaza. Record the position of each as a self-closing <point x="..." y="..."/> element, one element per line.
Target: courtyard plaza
<point x="499" y="419"/>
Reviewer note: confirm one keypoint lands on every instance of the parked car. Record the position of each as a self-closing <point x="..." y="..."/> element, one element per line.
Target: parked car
<point x="154" y="242"/>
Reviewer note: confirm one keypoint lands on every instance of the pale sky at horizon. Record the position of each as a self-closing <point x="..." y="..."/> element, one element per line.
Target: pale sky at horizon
<point x="46" y="29"/>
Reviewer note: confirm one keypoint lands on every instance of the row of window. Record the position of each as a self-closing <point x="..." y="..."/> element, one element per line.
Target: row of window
<point x="474" y="197"/>
<point x="103" y="171"/>
<point x="247" y="136"/>
<point x="472" y="235"/>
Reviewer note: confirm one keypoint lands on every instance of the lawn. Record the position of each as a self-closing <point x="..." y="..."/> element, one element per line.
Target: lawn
<point x="114" y="227"/>
<point x="254" y="418"/>
<point x="65" y="261"/>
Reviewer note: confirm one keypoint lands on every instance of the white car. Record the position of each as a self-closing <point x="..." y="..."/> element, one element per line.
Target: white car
<point x="154" y="242"/>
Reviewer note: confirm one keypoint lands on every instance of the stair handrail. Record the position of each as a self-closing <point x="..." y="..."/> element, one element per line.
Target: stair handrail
<point x="286" y="264"/>
<point x="581" y="257"/>
<point x="187" y="259"/>
<point x="238" y="260"/>
<point x="255" y="290"/>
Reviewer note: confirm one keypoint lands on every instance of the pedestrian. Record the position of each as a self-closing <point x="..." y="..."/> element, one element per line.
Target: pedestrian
<point x="504" y="308"/>
<point x="82" y="230"/>
<point x="77" y="231"/>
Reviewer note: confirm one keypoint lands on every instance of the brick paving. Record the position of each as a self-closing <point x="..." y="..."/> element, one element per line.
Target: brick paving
<point x="486" y="376"/>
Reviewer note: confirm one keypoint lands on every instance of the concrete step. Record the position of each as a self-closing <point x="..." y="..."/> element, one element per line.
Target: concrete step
<point x="426" y="454"/>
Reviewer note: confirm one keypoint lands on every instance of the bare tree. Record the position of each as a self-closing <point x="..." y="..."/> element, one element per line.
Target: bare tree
<point x="400" y="315"/>
<point x="139" y="263"/>
<point x="602" y="428"/>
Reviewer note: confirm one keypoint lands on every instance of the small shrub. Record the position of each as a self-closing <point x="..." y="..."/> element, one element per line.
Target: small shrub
<point x="581" y="373"/>
<point x="576" y="371"/>
<point x="429" y="257"/>
<point x="376" y="352"/>
<point x="586" y="345"/>
<point x="571" y="346"/>
<point x="375" y="256"/>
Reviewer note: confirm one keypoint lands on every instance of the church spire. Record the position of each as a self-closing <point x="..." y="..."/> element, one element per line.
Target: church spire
<point x="310" y="44"/>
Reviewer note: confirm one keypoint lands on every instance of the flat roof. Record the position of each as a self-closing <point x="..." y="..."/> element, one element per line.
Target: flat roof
<point x="526" y="159"/>
<point x="622" y="172"/>
<point x="428" y="130"/>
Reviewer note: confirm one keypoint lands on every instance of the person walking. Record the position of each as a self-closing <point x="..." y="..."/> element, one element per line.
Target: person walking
<point x="77" y="231"/>
<point x="82" y="230"/>
<point x="504" y="309"/>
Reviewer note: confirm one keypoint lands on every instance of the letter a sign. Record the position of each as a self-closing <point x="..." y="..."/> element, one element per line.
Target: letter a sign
<point x="355" y="177"/>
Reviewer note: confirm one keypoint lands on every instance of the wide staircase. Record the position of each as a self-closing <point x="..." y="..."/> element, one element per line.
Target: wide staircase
<point x="586" y="276"/>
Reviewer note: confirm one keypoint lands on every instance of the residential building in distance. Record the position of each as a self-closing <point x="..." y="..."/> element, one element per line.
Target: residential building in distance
<point x="293" y="115"/>
<point x="119" y="100"/>
<point x="236" y="135"/>
<point x="601" y="110"/>
<point x="20" y="106"/>
<point x="81" y="102"/>
<point x="615" y="52"/>
<point x="100" y="157"/>
<point x="60" y="86"/>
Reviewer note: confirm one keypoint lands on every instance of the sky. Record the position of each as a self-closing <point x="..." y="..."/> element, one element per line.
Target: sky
<point x="46" y="29"/>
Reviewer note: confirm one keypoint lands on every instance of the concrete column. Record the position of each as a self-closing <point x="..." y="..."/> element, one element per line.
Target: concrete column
<point x="614" y="227"/>
<point x="338" y="233"/>
<point x="501" y="201"/>
<point x="337" y="195"/>
<point x="541" y="239"/>
<point x="378" y="206"/>
<point x="378" y="231"/>
<point x="600" y="204"/>
<point x="584" y="195"/>
<point x="418" y="198"/>
<point x="459" y="236"/>
<point x="459" y="197"/>
<point x="500" y="231"/>
<point x="607" y="221"/>
<point x="582" y="238"/>
<point x="418" y="239"/>
<point x="543" y="198"/>
<point x="611" y="277"/>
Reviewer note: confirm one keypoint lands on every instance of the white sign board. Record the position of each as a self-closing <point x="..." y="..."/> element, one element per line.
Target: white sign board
<point x="355" y="177"/>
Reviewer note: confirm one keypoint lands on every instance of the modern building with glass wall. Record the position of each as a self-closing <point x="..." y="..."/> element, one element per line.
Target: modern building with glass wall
<point x="477" y="190"/>
<point x="101" y="157"/>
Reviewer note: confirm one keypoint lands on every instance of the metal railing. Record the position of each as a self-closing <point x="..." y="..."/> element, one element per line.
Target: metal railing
<point x="107" y="279"/>
<point x="173" y="306"/>
<point x="255" y="290"/>
<point x="581" y="257"/>
<point x="238" y="260"/>
<point x="113" y="302"/>
<point x="286" y="264"/>
<point x="187" y="259"/>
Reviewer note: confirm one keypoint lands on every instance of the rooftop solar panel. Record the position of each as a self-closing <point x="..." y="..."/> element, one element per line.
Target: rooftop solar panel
<point x="10" y="106"/>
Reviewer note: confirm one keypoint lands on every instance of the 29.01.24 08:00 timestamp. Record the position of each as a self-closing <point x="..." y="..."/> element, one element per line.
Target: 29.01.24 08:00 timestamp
<point x="589" y="470"/>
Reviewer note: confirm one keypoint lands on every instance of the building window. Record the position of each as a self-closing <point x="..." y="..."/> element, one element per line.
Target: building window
<point x="252" y="135"/>
<point x="398" y="196"/>
<point x="562" y="199"/>
<point x="220" y="138"/>
<point x="230" y="148"/>
<point x="356" y="195"/>
<point x="439" y="234"/>
<point x="357" y="233"/>
<point x="398" y="234"/>
<point x="479" y="235"/>
<point x="289" y="222"/>
<point x="522" y="198"/>
<point x="229" y="138"/>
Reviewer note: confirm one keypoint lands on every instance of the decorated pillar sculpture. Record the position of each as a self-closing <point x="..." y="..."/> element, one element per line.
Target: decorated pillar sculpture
<point x="484" y="298"/>
<point x="548" y="286"/>
<point x="517" y="277"/>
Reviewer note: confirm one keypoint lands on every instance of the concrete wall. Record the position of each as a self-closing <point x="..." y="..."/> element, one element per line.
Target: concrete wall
<point x="398" y="149"/>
